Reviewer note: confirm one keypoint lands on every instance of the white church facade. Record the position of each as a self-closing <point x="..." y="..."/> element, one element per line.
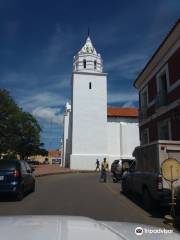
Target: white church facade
<point x="91" y="130"/>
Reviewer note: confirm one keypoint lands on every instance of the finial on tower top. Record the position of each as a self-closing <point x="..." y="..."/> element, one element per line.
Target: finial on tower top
<point x="88" y="31"/>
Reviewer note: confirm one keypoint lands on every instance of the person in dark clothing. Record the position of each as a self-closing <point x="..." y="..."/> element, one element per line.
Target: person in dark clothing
<point x="97" y="165"/>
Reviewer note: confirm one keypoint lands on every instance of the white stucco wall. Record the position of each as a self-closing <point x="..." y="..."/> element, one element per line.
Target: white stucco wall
<point x="123" y="137"/>
<point x="89" y="119"/>
<point x="67" y="139"/>
<point x="114" y="150"/>
<point x="129" y="138"/>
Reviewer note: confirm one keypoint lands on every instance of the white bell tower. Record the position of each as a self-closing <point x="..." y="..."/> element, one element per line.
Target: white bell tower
<point x="89" y="109"/>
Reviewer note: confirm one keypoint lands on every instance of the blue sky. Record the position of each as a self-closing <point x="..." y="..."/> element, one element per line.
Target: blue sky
<point x="39" y="39"/>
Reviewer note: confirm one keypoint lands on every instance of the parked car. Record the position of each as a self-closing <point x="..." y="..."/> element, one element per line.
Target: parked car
<point x="33" y="162"/>
<point x="146" y="179"/>
<point x="16" y="178"/>
<point x="116" y="170"/>
<point x="118" y="167"/>
<point x="56" y="161"/>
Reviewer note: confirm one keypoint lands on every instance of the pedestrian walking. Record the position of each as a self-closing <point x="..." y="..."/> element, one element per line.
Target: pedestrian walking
<point x="97" y="165"/>
<point x="104" y="169"/>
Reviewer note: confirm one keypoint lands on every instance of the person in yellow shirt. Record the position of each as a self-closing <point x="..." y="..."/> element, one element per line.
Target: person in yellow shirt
<point x="104" y="169"/>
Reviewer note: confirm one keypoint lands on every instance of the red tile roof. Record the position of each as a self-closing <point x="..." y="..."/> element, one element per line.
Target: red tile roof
<point x="54" y="153"/>
<point x="122" y="112"/>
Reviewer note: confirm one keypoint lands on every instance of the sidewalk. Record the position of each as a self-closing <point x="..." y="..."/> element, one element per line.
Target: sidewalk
<point x="44" y="170"/>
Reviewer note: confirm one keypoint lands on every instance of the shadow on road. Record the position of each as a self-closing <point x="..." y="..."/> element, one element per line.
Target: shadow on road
<point x="157" y="212"/>
<point x="10" y="197"/>
<point x="7" y="198"/>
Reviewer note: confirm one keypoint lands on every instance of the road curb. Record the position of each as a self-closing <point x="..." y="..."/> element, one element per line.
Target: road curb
<point x="55" y="173"/>
<point x="59" y="173"/>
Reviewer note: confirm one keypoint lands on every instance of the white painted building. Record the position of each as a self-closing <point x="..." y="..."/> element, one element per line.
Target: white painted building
<point x="89" y="133"/>
<point x="123" y="132"/>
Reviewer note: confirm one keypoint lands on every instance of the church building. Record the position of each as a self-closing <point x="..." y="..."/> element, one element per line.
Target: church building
<point x="91" y="129"/>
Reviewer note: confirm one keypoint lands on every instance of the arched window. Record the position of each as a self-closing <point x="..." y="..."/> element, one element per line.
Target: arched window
<point x="84" y="63"/>
<point x="95" y="64"/>
<point x="90" y="85"/>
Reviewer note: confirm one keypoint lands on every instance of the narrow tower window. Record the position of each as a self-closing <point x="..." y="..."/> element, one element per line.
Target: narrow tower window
<point x="90" y="85"/>
<point x="95" y="64"/>
<point x="84" y="63"/>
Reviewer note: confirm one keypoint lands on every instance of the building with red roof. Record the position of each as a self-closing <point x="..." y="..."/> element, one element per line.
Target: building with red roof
<point x="122" y="112"/>
<point x="91" y="129"/>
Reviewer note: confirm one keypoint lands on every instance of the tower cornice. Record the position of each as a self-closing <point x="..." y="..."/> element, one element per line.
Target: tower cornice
<point x="90" y="73"/>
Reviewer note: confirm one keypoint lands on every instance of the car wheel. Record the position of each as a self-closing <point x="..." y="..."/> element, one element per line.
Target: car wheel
<point x="147" y="200"/>
<point x="19" y="195"/>
<point x="115" y="180"/>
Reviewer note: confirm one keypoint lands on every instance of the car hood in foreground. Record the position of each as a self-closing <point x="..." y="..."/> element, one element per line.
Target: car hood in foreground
<point x="80" y="228"/>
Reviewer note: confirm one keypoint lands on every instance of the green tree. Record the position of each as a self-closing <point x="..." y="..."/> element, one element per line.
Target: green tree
<point x="27" y="135"/>
<point x="8" y="109"/>
<point x="19" y="131"/>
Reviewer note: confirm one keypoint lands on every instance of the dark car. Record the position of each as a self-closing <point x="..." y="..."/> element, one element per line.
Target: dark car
<point x="16" y="178"/>
<point x="118" y="167"/>
<point x="116" y="170"/>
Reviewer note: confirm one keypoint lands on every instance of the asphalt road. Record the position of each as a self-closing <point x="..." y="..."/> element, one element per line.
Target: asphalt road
<point x="80" y="195"/>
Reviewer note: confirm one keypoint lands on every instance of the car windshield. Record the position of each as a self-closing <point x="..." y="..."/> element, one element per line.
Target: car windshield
<point x="90" y="113"/>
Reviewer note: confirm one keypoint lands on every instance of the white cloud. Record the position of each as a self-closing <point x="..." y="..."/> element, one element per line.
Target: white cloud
<point x="122" y="97"/>
<point x="54" y="81"/>
<point x="124" y="60"/>
<point x="44" y="105"/>
<point x="49" y="114"/>
<point x="127" y="66"/>
<point x="60" y="44"/>
<point x="128" y="104"/>
<point x="42" y="99"/>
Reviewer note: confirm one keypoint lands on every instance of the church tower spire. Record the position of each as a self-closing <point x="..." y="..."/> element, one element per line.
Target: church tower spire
<point x="89" y="109"/>
<point x="87" y="59"/>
